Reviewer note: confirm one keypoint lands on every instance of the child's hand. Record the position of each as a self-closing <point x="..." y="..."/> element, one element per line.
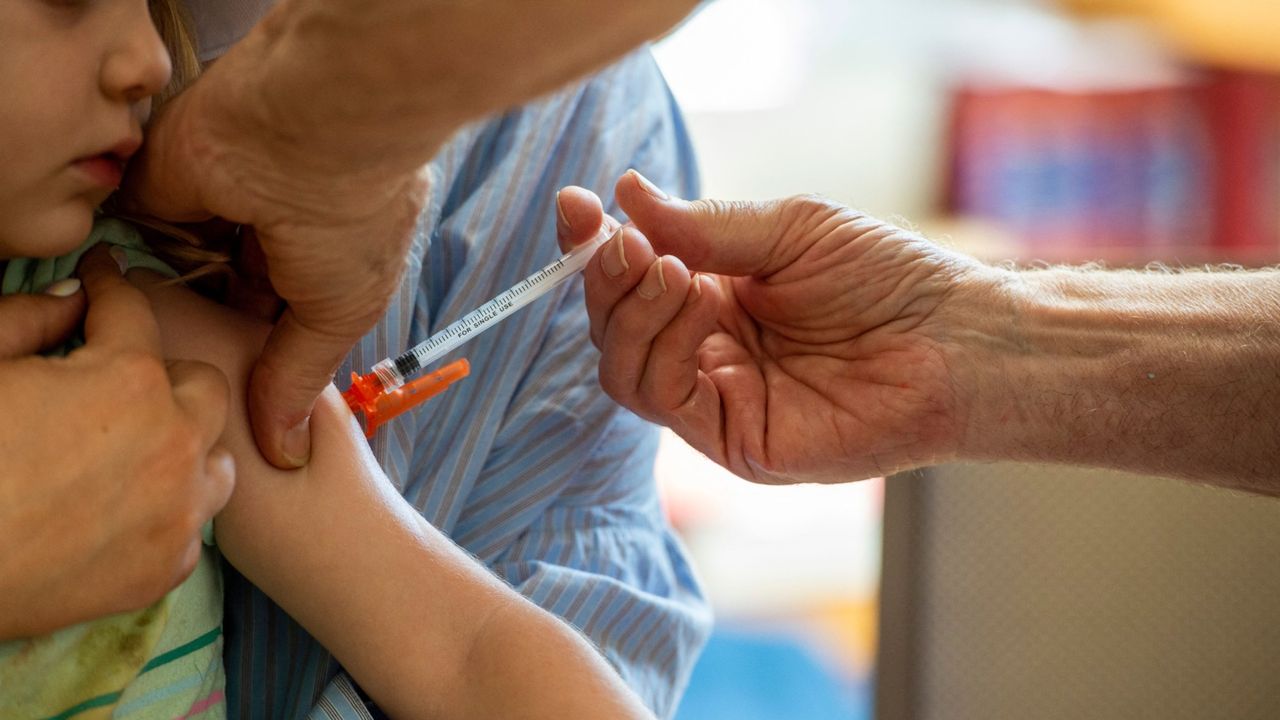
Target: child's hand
<point x="111" y="466"/>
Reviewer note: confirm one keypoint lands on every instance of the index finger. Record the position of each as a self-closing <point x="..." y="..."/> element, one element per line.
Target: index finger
<point x="119" y="314"/>
<point x="579" y="217"/>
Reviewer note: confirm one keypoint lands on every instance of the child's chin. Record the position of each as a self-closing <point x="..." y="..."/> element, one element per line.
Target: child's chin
<point x="57" y="232"/>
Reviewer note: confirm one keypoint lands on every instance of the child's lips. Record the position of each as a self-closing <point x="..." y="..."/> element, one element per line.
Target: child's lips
<point x="106" y="170"/>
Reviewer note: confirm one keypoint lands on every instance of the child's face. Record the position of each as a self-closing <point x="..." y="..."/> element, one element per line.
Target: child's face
<point x="75" y="81"/>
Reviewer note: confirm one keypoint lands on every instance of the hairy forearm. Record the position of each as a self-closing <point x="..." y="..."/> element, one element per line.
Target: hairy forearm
<point x="419" y="624"/>
<point x="1166" y="373"/>
<point x="381" y="85"/>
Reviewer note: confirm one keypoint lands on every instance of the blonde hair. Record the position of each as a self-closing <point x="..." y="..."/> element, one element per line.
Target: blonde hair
<point x="174" y="27"/>
<point x="192" y="256"/>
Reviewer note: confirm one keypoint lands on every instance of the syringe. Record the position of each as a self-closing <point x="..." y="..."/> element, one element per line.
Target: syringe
<point x="389" y="375"/>
<point x="392" y="372"/>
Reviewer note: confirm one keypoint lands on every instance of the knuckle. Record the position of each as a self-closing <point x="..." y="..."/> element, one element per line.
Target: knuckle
<point x="177" y="458"/>
<point x="161" y="574"/>
<point x="720" y="213"/>
<point x="187" y="524"/>
<point x="811" y="204"/>
<point x="176" y="531"/>
<point x="138" y="372"/>
<point x="186" y="442"/>
<point x="624" y="389"/>
<point x="679" y="401"/>
<point x="187" y="565"/>
<point x="210" y="386"/>
<point x="160" y="578"/>
<point x="810" y="212"/>
<point x="625" y="323"/>
<point x="612" y="386"/>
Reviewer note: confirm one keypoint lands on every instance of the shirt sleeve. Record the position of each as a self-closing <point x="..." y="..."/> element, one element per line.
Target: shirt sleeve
<point x="527" y="465"/>
<point x="594" y="547"/>
<point x="565" y="507"/>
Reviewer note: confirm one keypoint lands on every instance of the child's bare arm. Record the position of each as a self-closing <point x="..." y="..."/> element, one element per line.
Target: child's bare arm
<point x="340" y="550"/>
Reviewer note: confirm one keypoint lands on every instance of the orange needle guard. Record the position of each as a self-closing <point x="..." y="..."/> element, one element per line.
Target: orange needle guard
<point x="367" y="396"/>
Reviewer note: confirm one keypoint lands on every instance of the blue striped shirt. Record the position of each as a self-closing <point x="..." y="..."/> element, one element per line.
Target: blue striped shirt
<point x="526" y="464"/>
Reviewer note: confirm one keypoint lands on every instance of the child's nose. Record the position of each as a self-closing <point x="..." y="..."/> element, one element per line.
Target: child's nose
<point x="138" y="65"/>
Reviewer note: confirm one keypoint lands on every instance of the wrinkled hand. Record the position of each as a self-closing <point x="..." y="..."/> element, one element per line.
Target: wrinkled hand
<point x="809" y="346"/>
<point x="334" y="240"/>
<point x="111" y="466"/>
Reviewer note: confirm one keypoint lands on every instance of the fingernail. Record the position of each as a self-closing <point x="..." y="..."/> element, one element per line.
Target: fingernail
<point x="118" y="254"/>
<point x="64" y="288"/>
<point x="653" y="284"/>
<point x="697" y="286"/>
<point x="614" y="258"/>
<point x="649" y="187"/>
<point x="297" y="443"/>
<point x="562" y="222"/>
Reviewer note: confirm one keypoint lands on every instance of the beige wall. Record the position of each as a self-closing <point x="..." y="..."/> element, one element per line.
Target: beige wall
<point x="1016" y="591"/>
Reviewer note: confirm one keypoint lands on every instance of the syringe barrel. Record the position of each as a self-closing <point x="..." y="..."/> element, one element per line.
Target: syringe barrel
<point x="393" y="372"/>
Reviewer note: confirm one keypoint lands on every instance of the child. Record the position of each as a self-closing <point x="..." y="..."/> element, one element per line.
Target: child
<point x="333" y="543"/>
<point x="79" y="77"/>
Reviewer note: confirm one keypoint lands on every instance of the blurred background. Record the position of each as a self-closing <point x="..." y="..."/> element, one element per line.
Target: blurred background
<point x="1120" y="131"/>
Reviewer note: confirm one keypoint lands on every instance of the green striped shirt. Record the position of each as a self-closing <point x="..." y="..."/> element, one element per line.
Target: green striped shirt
<point x="164" y="661"/>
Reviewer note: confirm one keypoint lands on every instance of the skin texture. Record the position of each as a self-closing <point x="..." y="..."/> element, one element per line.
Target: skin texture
<point x="105" y="60"/>
<point x="326" y="89"/>
<point x="817" y="344"/>
<point x="122" y="515"/>
<point x="478" y="649"/>
<point x="112" y="522"/>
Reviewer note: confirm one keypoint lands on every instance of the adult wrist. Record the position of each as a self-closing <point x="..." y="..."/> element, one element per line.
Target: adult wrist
<point x="973" y="327"/>
<point x="1041" y="349"/>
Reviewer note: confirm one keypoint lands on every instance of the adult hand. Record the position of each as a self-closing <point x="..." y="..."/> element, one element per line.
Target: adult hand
<point x="321" y="91"/>
<point x="111" y="466"/>
<point x="334" y="251"/>
<point x="809" y="346"/>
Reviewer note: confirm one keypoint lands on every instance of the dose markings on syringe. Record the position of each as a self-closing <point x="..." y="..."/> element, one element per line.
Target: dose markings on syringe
<point x="488" y="312"/>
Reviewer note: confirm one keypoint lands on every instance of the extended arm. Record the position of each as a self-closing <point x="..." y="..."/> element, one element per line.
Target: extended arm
<point x="338" y="548"/>
<point x="1165" y="373"/>
<point x="444" y="63"/>
<point x="831" y="346"/>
